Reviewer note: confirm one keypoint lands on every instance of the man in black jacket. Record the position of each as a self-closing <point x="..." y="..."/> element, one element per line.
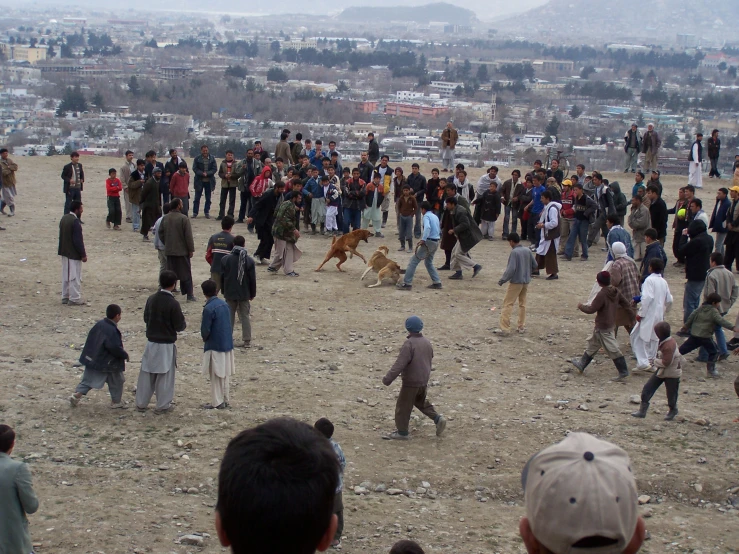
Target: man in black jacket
<point x="262" y="216"/>
<point x="72" y="250"/>
<point x="373" y="149"/>
<point x="697" y="254"/>
<point x="73" y="177"/>
<point x="164" y="319"/>
<point x="657" y="213"/>
<point x="714" y="149"/>
<point x="170" y="168"/>
<point x="417" y="182"/>
<point x="366" y="168"/>
<point x="104" y="359"/>
<point x="240" y="286"/>
<point x="606" y="207"/>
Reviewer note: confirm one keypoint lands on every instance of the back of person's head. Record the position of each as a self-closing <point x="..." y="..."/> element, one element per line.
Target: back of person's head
<point x="325" y="427"/>
<point x="175" y="204"/>
<point x="614" y="219"/>
<point x="227" y="222"/>
<point x="166" y="208"/>
<point x="603" y="278"/>
<point x="276" y="490"/>
<point x="717" y="258"/>
<point x="656" y="265"/>
<point x="426" y="205"/>
<point x="239" y="240"/>
<point x="514" y="238"/>
<point x="713" y="298"/>
<point x="74" y="206"/>
<point x="112" y="311"/>
<point x="581" y="496"/>
<point x="7" y="438"/>
<point x="406" y="547"/>
<point x="167" y="279"/>
<point x="651" y="233"/>
<point x="662" y="330"/>
<point x="209" y="288"/>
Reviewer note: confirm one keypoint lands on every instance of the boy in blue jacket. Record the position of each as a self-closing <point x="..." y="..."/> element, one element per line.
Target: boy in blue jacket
<point x="218" y="358"/>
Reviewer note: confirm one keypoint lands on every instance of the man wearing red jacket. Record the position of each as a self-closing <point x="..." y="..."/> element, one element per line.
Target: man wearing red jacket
<point x="179" y="186"/>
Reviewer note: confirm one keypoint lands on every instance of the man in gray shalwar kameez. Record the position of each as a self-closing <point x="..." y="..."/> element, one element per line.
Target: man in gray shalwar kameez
<point x="164" y="319"/>
<point x="104" y="359"/>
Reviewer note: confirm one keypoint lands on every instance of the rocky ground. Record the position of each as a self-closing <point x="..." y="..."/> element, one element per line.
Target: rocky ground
<point x="121" y="481"/>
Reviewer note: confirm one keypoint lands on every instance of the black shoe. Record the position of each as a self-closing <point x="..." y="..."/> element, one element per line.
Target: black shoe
<point x="271" y="270"/>
<point x="194" y="216"/>
<point x="535" y="273"/>
<point x="240" y="221"/>
<point x="219" y="218"/>
<point x="552" y="277"/>
<point x="207" y="216"/>
<point x="457" y="276"/>
<point x="434" y="286"/>
<point x="447" y="268"/>
<point x="476" y="270"/>
<point x="403" y="286"/>
<point x="583" y="259"/>
<point x="723" y="357"/>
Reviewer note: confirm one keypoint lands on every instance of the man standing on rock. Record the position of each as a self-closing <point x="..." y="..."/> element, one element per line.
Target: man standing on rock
<point x="449" y="138"/>
<point x="650" y="146"/>
<point x="72" y="251"/>
<point x="175" y="231"/>
<point x="414" y="367"/>
<point x="104" y="360"/>
<point x="164" y="319"/>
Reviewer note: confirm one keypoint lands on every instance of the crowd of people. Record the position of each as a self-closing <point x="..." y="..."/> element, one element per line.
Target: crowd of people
<point x="304" y="187"/>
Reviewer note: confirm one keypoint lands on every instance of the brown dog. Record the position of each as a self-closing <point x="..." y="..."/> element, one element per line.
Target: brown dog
<point x="343" y="244"/>
<point x="385" y="267"/>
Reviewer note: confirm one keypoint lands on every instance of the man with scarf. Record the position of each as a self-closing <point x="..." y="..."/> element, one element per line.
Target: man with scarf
<point x="262" y="217"/>
<point x="239" y="286"/>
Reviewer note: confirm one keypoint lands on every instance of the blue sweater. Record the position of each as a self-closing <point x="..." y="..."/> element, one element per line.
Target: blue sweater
<point x="215" y="327"/>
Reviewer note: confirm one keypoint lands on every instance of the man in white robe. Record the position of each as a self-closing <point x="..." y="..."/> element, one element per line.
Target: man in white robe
<point x="218" y="355"/>
<point x="164" y="319"/>
<point x="656" y="300"/>
<point x="695" y="169"/>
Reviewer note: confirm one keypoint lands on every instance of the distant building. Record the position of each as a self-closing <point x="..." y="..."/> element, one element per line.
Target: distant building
<point x="171" y="73"/>
<point x="444" y="88"/>
<point x="457" y="29"/>
<point x="299" y="44"/>
<point x="687" y="41"/>
<point x="366" y="106"/>
<point x="553" y="65"/>
<point x="407" y="109"/>
<point x="72" y="21"/>
<point x="23" y="53"/>
<point x="403" y="95"/>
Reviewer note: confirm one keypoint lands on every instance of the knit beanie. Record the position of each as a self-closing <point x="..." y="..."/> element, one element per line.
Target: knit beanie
<point x="604" y="278"/>
<point x="414" y="324"/>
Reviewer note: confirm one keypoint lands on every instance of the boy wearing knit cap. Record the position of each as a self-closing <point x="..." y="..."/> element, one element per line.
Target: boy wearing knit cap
<point x="604" y="305"/>
<point x="414" y="367"/>
<point x="581" y="496"/>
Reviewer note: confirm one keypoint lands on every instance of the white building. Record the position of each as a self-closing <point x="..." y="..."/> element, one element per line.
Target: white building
<point x="445" y="89"/>
<point x="403" y="95"/>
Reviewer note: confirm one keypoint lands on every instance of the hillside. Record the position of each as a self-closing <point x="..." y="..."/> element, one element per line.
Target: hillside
<point x="659" y="19"/>
<point x="420" y="14"/>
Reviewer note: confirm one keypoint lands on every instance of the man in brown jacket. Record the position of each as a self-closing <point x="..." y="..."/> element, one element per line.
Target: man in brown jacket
<point x="449" y="138"/>
<point x="414" y="367"/>
<point x="175" y="232"/>
<point x="604" y="305"/>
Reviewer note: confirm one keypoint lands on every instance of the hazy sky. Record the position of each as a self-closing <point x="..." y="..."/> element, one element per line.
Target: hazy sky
<point x="485" y="9"/>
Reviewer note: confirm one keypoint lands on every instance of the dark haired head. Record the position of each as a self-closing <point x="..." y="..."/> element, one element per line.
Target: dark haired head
<point x="546" y="194"/>
<point x="713" y="298"/>
<point x="277" y="476"/>
<point x="451" y="200"/>
<point x="172" y="151"/>
<point x="514" y="238"/>
<point x="325" y="427"/>
<point x="651" y="233"/>
<point x="7" y="438"/>
<point x="140" y="162"/>
<point x="426" y="205"/>
<point x="717" y="258"/>
<point x="516" y="172"/>
<point x="151" y="153"/>
<point x="112" y="170"/>
<point x="75" y="206"/>
<point x="239" y="240"/>
<point x="74" y="155"/>
<point x="227" y="222"/>
<point x="653" y="188"/>
<point x="698" y="202"/>
<point x="299" y="137"/>
<point x="127" y="152"/>
<point x="406" y="547"/>
<point x="175" y="204"/>
<point x="182" y="165"/>
<point x="662" y="330"/>
<point x="283" y="136"/>
<point x="209" y="288"/>
<point x="614" y="219"/>
<point x="165" y="209"/>
<point x="656" y="265"/>
<point x="112" y="310"/>
<point x="167" y="279"/>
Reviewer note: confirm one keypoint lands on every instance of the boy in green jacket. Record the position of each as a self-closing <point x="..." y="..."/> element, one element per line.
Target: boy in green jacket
<point x="701" y="324"/>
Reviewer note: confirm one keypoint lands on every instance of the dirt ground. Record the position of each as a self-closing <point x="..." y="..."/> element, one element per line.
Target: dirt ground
<point x="121" y="482"/>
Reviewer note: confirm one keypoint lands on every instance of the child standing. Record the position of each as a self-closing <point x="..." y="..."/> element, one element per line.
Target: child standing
<point x="407" y="206"/>
<point x="414" y="367"/>
<point x="333" y="200"/>
<point x="701" y="324"/>
<point x="490" y="201"/>
<point x="669" y="370"/>
<point x="604" y="305"/>
<point x="326" y="428"/>
<point x="113" y="188"/>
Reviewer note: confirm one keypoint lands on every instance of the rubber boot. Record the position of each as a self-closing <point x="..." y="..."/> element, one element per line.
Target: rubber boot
<point x="712" y="371"/>
<point x="582" y="363"/>
<point x="642" y="413"/>
<point x="323" y="229"/>
<point x="623" y="370"/>
<point x="312" y="229"/>
<point x="671" y="414"/>
<point x="410" y="245"/>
